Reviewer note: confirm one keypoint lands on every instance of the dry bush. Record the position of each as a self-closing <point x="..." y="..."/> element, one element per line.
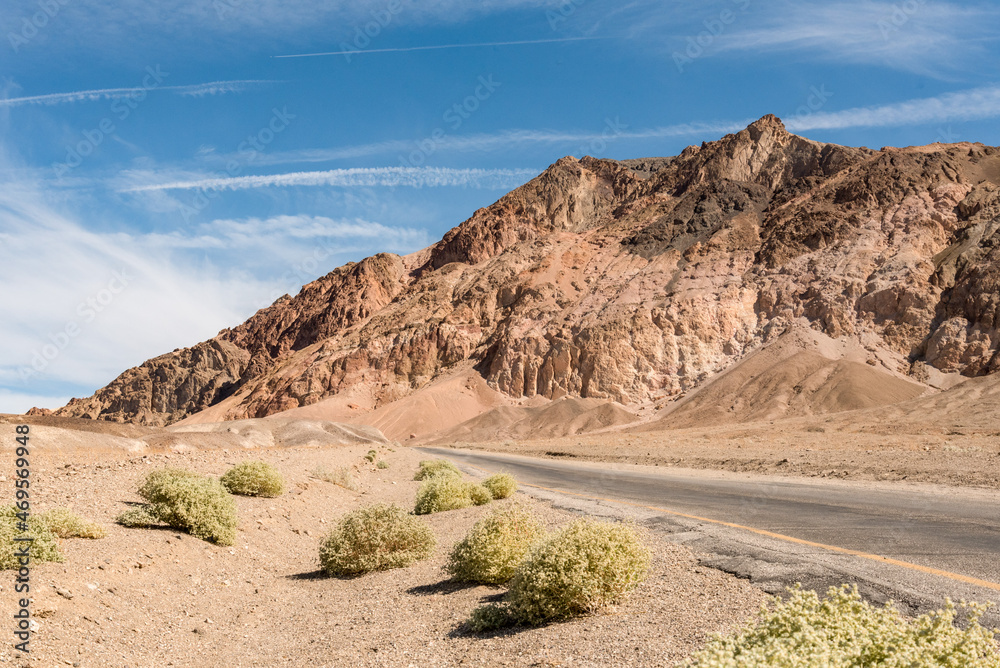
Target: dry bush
<point x="64" y="523"/>
<point x="198" y="504"/>
<point x="342" y="476"/>
<point x="160" y="476"/>
<point x="496" y="546"/>
<point x="845" y="631"/>
<point x="430" y="468"/>
<point x="138" y="516"/>
<point x="500" y="485"/>
<point x="254" y="479"/>
<point x="579" y="570"/>
<point x="449" y="492"/>
<point x="44" y="547"/>
<point x="480" y="495"/>
<point x="382" y="464"/>
<point x="375" y="538"/>
<point x="372" y="454"/>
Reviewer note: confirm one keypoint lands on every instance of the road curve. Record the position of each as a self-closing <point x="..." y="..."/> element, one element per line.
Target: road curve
<point x="925" y="528"/>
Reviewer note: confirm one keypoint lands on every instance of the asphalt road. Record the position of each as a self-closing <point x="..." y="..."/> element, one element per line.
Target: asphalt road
<point x="906" y="534"/>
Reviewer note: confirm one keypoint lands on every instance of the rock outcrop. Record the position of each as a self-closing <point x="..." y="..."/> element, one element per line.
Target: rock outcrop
<point x="630" y="281"/>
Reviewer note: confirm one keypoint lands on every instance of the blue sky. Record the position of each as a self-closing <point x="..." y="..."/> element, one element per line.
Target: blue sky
<point x="168" y="168"/>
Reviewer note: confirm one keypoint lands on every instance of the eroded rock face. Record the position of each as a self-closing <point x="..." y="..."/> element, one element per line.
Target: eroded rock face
<point x="167" y="388"/>
<point x="630" y="281"/>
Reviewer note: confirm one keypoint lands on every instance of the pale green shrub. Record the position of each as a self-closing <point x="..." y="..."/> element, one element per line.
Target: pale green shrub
<point x="843" y="631"/>
<point x="449" y="492"/>
<point x="372" y="454"/>
<point x="138" y="516"/>
<point x="155" y="479"/>
<point x="375" y="538"/>
<point x="582" y="568"/>
<point x="500" y="485"/>
<point x="254" y="479"/>
<point x="44" y="547"/>
<point x="430" y="468"/>
<point x="198" y="504"/>
<point x="64" y="523"/>
<point x="496" y="546"/>
<point x="382" y="464"/>
<point x="341" y="476"/>
<point x="480" y="495"/>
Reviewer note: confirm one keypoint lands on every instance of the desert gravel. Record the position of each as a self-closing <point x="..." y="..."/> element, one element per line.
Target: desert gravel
<point x="156" y="597"/>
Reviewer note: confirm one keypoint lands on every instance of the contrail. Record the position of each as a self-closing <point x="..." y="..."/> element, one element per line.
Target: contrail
<point x="355" y="52"/>
<point x="211" y="88"/>
<point x="413" y="177"/>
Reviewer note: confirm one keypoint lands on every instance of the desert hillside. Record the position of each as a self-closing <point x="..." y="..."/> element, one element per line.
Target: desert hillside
<point x="762" y="275"/>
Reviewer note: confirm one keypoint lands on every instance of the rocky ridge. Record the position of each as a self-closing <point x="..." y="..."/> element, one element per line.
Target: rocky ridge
<point x="630" y="281"/>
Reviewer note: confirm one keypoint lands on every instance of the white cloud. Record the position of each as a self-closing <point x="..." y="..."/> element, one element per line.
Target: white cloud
<point x="931" y="38"/>
<point x="506" y="139"/>
<point x="231" y="25"/>
<point x="293" y="236"/>
<point x="194" y="90"/>
<point x="413" y="177"/>
<point x="83" y="305"/>
<point x="967" y="105"/>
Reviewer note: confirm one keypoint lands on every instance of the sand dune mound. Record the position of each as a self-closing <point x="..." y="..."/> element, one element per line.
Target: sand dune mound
<point x="440" y="405"/>
<point x="280" y="433"/>
<point x="973" y="404"/>
<point x="564" y="417"/>
<point x="791" y="378"/>
<point x="54" y="435"/>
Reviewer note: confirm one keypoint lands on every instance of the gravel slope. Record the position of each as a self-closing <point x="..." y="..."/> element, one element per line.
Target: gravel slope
<point x="155" y="597"/>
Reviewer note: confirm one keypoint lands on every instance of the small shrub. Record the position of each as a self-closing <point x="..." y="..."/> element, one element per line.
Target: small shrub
<point x="372" y="454"/>
<point x="382" y="464"/>
<point x="431" y="468"/>
<point x="480" y="495"/>
<point x="449" y="492"/>
<point x="64" y="523"/>
<point x="500" y="485"/>
<point x="341" y="476"/>
<point x="156" y="479"/>
<point x="375" y="538"/>
<point x="582" y="568"/>
<point x="198" y="504"/>
<point x="44" y="547"/>
<point x="496" y="546"/>
<point x="138" y="516"/>
<point x="846" y="631"/>
<point x="254" y="479"/>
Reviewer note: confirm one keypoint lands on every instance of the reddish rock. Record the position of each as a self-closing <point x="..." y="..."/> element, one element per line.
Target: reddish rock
<point x="629" y="280"/>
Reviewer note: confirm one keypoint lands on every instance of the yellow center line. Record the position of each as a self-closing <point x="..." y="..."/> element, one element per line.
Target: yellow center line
<point x="791" y="539"/>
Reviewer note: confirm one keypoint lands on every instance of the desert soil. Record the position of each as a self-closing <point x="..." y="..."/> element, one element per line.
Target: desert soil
<point x="158" y="597"/>
<point x="828" y="447"/>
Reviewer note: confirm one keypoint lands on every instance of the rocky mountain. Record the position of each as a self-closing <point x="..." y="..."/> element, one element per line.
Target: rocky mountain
<point x="634" y="282"/>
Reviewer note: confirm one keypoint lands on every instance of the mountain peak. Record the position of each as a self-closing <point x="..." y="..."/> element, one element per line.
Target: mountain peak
<point x="767" y="124"/>
<point x="768" y="121"/>
<point x="627" y="281"/>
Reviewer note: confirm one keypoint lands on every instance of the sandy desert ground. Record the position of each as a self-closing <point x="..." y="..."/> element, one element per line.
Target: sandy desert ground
<point x="157" y="597"/>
